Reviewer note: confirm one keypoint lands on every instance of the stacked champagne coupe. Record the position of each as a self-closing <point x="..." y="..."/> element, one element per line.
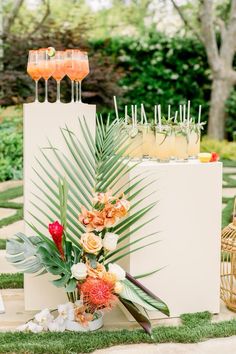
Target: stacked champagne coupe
<point x="47" y="62"/>
<point x="172" y="138"/>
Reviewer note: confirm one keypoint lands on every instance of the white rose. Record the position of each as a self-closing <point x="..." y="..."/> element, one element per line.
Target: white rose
<point x="110" y="241"/>
<point x="117" y="270"/>
<point x="79" y="271"/>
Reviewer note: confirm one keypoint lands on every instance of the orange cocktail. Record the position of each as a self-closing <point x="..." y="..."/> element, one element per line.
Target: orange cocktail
<point x="33" y="69"/>
<point x="82" y="71"/>
<point x="71" y="66"/>
<point x="59" y="69"/>
<point x="46" y="68"/>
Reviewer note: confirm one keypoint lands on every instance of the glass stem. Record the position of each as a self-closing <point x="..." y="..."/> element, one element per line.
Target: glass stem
<point x="58" y="91"/>
<point x="77" y="91"/>
<point x="72" y="91"/>
<point x="80" y="100"/>
<point x="46" y="90"/>
<point x="36" y="91"/>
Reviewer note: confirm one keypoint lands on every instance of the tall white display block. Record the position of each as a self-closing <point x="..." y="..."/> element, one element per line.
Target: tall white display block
<point x="42" y="123"/>
<point x="188" y="212"/>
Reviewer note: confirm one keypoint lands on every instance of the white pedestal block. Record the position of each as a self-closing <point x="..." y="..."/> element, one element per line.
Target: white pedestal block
<point x="189" y="221"/>
<point x="42" y="122"/>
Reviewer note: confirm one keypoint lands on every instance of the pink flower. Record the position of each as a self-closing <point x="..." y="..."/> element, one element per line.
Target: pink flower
<point x="56" y="231"/>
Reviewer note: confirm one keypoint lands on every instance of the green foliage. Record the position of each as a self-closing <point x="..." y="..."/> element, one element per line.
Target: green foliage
<point x="230" y="126"/>
<point x="195" y="328"/>
<point x="11" y="145"/>
<point x="226" y="149"/>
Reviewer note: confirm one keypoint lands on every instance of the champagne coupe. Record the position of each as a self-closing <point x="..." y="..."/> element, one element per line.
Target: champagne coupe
<point x="33" y="70"/>
<point x="71" y="68"/>
<point x="59" y="70"/>
<point x="81" y="72"/>
<point x="46" y="68"/>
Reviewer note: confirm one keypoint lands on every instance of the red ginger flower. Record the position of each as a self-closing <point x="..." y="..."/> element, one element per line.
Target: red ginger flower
<point x="97" y="294"/>
<point x="56" y="231"/>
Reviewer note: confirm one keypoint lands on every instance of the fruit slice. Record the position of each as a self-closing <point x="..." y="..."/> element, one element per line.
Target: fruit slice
<point x="214" y="157"/>
<point x="51" y="51"/>
<point x="204" y="157"/>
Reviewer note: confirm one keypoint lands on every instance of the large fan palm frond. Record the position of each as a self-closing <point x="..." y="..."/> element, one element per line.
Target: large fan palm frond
<point x="92" y="166"/>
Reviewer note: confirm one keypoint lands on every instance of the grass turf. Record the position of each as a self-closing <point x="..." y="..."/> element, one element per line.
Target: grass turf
<point x="11" y="193"/>
<point x="11" y="281"/>
<point x="2" y="244"/>
<point x="194" y="328"/>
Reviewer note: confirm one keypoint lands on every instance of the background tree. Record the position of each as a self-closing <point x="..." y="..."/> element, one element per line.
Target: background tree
<point x="220" y="55"/>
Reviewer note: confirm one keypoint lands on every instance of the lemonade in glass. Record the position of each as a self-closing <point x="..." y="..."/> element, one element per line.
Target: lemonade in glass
<point x="164" y="143"/>
<point x="181" y="143"/>
<point x="194" y="141"/>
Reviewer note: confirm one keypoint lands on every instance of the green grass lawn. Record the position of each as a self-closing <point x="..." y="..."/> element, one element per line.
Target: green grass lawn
<point x="11" y="281"/>
<point x="194" y="328"/>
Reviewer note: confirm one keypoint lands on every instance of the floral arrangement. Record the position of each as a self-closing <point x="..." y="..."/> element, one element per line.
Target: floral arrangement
<point x="84" y="250"/>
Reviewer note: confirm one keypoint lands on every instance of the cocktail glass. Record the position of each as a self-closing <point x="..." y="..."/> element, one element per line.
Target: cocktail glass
<point x="181" y="143"/>
<point x="164" y="143"/>
<point x="33" y="70"/>
<point x="58" y="62"/>
<point x="71" y="68"/>
<point x="148" y="141"/>
<point x="81" y="72"/>
<point x="46" y="68"/>
<point x="194" y="138"/>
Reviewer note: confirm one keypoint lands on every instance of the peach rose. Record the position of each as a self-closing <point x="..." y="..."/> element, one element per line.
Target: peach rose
<point x="91" y="243"/>
<point x="96" y="272"/>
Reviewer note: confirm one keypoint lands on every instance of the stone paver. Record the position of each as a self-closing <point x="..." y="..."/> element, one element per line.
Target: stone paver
<point x="213" y="346"/>
<point x="229" y="169"/>
<point x="229" y="192"/>
<point x="10" y="184"/>
<point x="18" y="200"/>
<point x="5" y="266"/>
<point x="10" y="230"/>
<point x="5" y="213"/>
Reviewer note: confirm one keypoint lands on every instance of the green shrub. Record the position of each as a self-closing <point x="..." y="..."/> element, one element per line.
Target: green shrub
<point x="11" y="144"/>
<point x="226" y="149"/>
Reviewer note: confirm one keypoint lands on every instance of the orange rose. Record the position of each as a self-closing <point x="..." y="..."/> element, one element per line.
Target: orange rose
<point x="91" y="243"/>
<point x="96" y="272"/>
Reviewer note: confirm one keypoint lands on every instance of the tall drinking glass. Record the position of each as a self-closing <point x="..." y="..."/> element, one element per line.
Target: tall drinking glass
<point x="164" y="143"/>
<point x="58" y="62"/>
<point x="82" y="71"/>
<point x="181" y="143"/>
<point x="194" y="138"/>
<point x="46" y="68"/>
<point x="148" y="140"/>
<point x="33" y="70"/>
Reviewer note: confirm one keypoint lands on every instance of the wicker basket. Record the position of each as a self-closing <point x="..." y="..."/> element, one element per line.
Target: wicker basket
<point x="228" y="263"/>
